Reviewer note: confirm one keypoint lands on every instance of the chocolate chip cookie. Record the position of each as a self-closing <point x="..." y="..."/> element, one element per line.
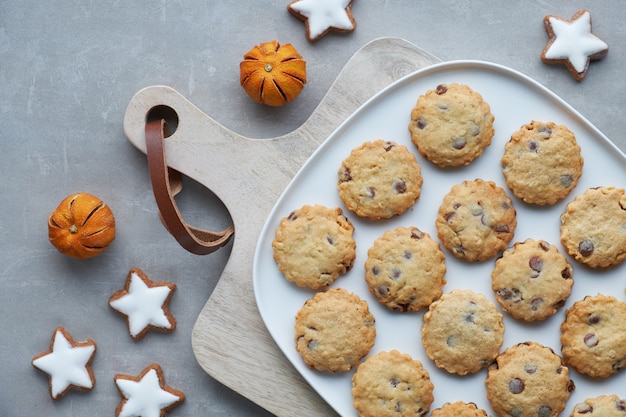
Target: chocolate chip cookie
<point x="405" y="269"/>
<point x="593" y="227"/>
<point x="602" y="406"/>
<point x="528" y="380"/>
<point x="593" y="338"/>
<point x="334" y="330"/>
<point x="458" y="409"/>
<point x="542" y="162"/>
<point x="391" y="383"/>
<point x="451" y="125"/>
<point x="462" y="332"/>
<point x="379" y="179"/>
<point x="532" y="280"/>
<point x="476" y="220"/>
<point x="314" y="245"/>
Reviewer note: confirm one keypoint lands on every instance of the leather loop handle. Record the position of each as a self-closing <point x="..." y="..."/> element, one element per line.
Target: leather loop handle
<point x="166" y="183"/>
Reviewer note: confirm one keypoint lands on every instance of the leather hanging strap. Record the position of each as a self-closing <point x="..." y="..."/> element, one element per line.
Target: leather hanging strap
<point x="166" y="183"/>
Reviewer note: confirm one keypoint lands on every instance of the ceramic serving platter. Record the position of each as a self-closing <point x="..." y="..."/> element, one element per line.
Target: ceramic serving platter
<point x="515" y="100"/>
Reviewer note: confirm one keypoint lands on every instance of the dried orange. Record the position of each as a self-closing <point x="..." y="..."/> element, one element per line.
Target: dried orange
<point x="82" y="226"/>
<point x="272" y="74"/>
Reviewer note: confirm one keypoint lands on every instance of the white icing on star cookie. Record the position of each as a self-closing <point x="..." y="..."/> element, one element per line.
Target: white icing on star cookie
<point x="144" y="304"/>
<point x="146" y="395"/>
<point x="67" y="363"/>
<point x="321" y="16"/>
<point x="572" y="43"/>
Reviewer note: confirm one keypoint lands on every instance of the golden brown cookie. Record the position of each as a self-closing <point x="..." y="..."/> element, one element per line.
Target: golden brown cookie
<point x="528" y="380"/>
<point x="334" y="330"/>
<point x="391" y="384"/>
<point x="592" y="336"/>
<point x="462" y="332"/>
<point x="593" y="227"/>
<point x="451" y="125"/>
<point x="379" y="179"/>
<point x="602" y="406"/>
<point x="542" y="162"/>
<point x="405" y="269"/>
<point x="532" y="280"/>
<point x="458" y="409"/>
<point x="476" y="220"/>
<point x="314" y="246"/>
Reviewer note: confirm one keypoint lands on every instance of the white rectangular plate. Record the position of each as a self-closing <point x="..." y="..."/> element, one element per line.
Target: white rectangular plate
<point x="515" y="100"/>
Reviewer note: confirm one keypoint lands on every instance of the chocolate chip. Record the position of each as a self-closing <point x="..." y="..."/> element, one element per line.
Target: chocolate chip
<point x="584" y="408"/>
<point x="417" y="234"/>
<point x="407" y="255"/>
<point x="469" y="318"/>
<point x="567" y="272"/>
<point x="375" y="270"/>
<point x="516" y="385"/>
<point x="535" y="303"/>
<point x="330" y="240"/>
<point x="382" y="291"/>
<point x="459" y="143"/>
<point x="292" y="216"/>
<point x="371" y="191"/>
<point x="566" y="181"/>
<point x="586" y="247"/>
<point x="420" y="123"/>
<point x="544" y="411"/>
<point x="617" y="365"/>
<point x="398" y="406"/>
<point x="594" y="318"/>
<point x="456" y="206"/>
<point x="389" y="146"/>
<point x="536" y="263"/>
<point x="450" y="341"/>
<point x="620" y="405"/>
<point x="394" y="382"/>
<point x="533" y="146"/>
<point x="400" y="186"/>
<point x="507" y="294"/>
<point x="545" y="132"/>
<point x="312" y="345"/>
<point x="448" y="216"/>
<point x="502" y="229"/>
<point x="474" y="130"/>
<point x="395" y="274"/>
<point x="441" y="89"/>
<point x="590" y="340"/>
<point x="346" y="175"/>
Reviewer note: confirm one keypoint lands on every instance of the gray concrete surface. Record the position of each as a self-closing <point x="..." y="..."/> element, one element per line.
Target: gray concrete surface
<point x="68" y="68"/>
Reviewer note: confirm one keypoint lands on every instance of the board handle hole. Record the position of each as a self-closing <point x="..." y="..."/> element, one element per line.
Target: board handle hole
<point x="163" y="112"/>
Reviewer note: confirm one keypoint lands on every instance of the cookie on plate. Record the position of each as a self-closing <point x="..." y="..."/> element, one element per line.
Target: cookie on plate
<point x="476" y="220"/>
<point x="379" y="179"/>
<point x="602" y="406"/>
<point x="572" y="43"/>
<point x="146" y="394"/>
<point x="67" y="364"/>
<point x="592" y="227"/>
<point x="532" y="280"/>
<point x="405" y="269"/>
<point x="462" y="332"/>
<point x="391" y="383"/>
<point x="314" y="245"/>
<point x="451" y="125"/>
<point x="528" y="380"/>
<point x="542" y="162"/>
<point x="592" y="336"/>
<point x="459" y="409"/>
<point x="334" y="330"/>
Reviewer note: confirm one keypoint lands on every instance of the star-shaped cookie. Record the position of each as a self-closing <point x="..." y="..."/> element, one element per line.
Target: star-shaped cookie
<point x="145" y="304"/>
<point x="322" y="16"/>
<point x="67" y="363"/>
<point x="146" y="395"/>
<point x="572" y="43"/>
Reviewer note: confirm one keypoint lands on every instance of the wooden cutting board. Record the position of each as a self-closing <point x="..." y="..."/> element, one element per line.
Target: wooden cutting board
<point x="229" y="339"/>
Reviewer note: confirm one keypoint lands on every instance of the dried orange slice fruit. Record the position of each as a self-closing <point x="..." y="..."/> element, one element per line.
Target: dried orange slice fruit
<point x="82" y="226"/>
<point x="273" y="74"/>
